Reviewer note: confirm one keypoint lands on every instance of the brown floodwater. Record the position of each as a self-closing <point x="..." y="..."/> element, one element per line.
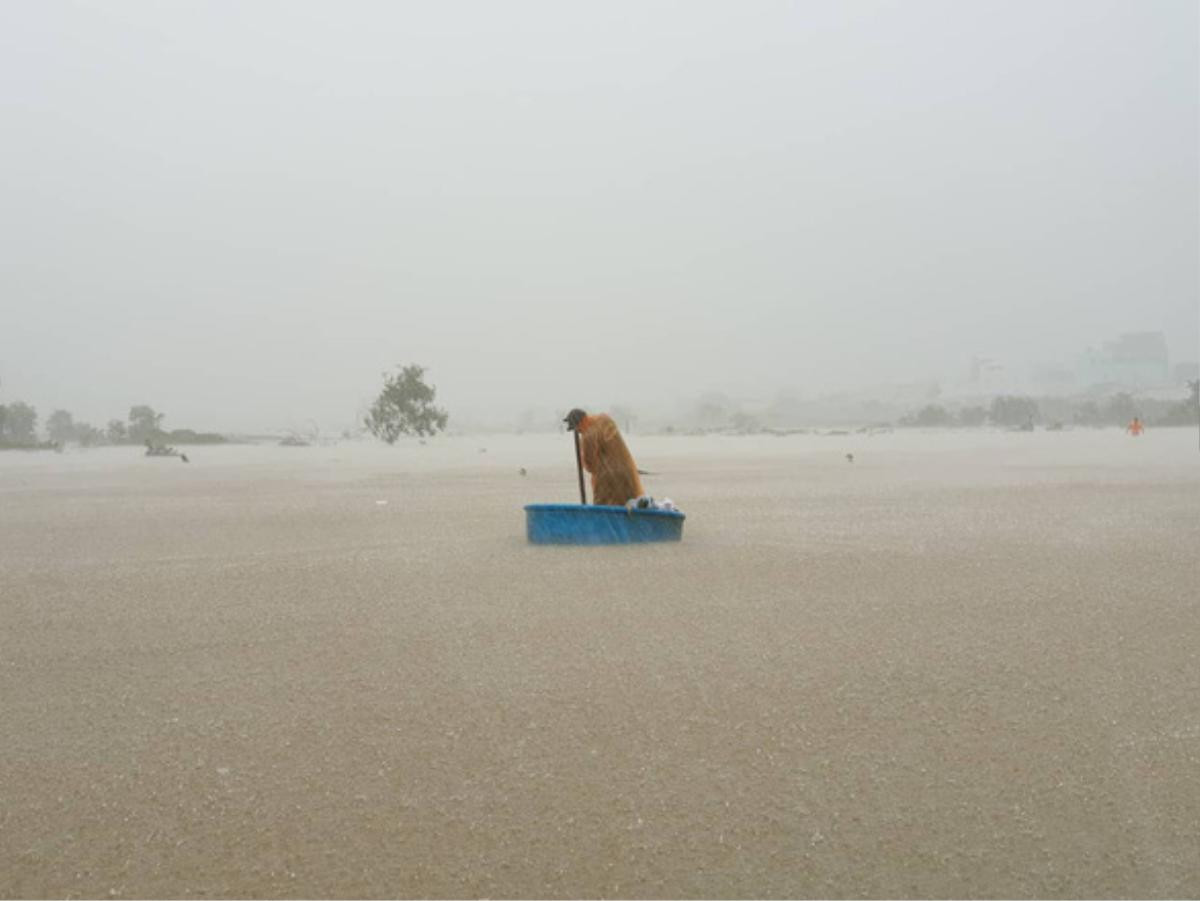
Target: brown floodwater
<point x="962" y="665"/>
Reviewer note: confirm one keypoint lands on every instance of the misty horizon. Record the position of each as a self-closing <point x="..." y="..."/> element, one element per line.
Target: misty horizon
<point x="242" y="215"/>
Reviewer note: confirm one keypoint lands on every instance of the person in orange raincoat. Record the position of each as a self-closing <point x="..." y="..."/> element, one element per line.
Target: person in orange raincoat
<point x="1135" y="428"/>
<point x="615" y="478"/>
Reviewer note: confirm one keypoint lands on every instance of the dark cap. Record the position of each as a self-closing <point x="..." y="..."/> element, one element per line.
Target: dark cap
<point x="573" y="419"/>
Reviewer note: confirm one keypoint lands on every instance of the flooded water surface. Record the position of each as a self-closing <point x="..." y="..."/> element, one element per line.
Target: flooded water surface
<point x="960" y="665"/>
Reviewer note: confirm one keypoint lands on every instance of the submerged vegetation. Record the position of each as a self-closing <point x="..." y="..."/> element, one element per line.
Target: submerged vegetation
<point x="788" y="414"/>
<point x="1056" y="412"/>
<point x="405" y="407"/>
<point x="18" y="430"/>
<point x="18" y="425"/>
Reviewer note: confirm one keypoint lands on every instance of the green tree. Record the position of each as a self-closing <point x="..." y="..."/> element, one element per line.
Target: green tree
<point x="87" y="434"/>
<point x="1120" y="409"/>
<point x="60" y="426"/>
<point x="405" y="406"/>
<point x="144" y="423"/>
<point x="1088" y="414"/>
<point x="116" y="432"/>
<point x="20" y="424"/>
<point x="972" y="417"/>
<point x="1185" y="412"/>
<point x="714" y="410"/>
<point x="1013" y="411"/>
<point x="787" y="409"/>
<point x="745" y="422"/>
<point x="928" y="416"/>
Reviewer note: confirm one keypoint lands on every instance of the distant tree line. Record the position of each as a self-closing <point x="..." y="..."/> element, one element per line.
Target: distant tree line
<point x="717" y="413"/>
<point x="18" y="429"/>
<point x="1011" y="411"/>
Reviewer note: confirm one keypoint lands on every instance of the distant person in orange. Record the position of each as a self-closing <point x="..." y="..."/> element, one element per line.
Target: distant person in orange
<point x="1135" y="428"/>
<point x="614" y="474"/>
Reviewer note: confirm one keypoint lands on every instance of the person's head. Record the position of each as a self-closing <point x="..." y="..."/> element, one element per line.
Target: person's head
<point x="574" y="418"/>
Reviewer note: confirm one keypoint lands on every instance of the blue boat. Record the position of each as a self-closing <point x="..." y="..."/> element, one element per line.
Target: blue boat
<point x="600" y="524"/>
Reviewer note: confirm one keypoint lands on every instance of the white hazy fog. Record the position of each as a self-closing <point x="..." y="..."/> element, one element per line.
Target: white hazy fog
<point x="240" y="213"/>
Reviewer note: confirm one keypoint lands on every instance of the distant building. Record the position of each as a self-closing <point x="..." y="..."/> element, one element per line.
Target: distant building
<point x="1135" y="360"/>
<point x="988" y="375"/>
<point x="1185" y="372"/>
<point x="1054" y="379"/>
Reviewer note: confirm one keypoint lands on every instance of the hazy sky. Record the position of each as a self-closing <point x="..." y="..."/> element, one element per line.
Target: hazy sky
<point x="240" y="213"/>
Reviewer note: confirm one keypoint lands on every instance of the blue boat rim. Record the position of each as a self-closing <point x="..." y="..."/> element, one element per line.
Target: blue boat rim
<point x="600" y="524"/>
<point x="603" y="508"/>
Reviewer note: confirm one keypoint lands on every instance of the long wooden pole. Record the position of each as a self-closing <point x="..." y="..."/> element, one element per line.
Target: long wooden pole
<point x="1195" y="386"/>
<point x="579" y="467"/>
